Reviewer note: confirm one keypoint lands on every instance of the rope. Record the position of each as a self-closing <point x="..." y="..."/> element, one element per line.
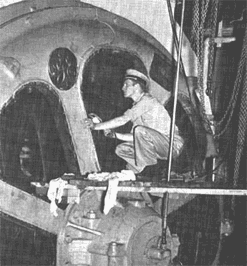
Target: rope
<point x="234" y="97"/>
<point x="213" y="26"/>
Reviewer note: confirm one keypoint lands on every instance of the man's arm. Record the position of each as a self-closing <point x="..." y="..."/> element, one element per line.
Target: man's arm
<point x="113" y="123"/>
<point x="125" y="137"/>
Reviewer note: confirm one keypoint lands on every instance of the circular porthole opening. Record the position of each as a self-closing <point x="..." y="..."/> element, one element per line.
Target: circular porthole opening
<point x="63" y="68"/>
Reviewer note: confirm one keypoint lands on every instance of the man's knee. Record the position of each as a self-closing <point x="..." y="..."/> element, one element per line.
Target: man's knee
<point x="118" y="150"/>
<point x="121" y="149"/>
<point x="139" y="131"/>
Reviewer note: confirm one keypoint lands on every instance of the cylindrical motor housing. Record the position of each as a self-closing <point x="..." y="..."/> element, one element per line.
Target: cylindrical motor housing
<point x="127" y="234"/>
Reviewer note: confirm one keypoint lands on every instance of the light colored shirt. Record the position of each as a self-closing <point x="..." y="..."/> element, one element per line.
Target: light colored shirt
<point x="151" y="113"/>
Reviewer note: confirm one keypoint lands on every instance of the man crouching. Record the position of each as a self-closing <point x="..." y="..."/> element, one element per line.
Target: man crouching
<point x="148" y="140"/>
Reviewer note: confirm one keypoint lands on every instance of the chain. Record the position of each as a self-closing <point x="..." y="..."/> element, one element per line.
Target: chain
<point x="242" y="129"/>
<point x="234" y="97"/>
<point x="199" y="26"/>
<point x="213" y="26"/>
<point x="197" y="35"/>
<point x="195" y="24"/>
<point x="242" y="126"/>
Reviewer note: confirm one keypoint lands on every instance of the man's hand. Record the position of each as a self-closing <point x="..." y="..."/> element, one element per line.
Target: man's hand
<point x="92" y="120"/>
<point x="89" y="123"/>
<point x="110" y="133"/>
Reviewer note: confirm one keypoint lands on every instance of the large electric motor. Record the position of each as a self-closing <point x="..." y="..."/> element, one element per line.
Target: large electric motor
<point x="129" y="235"/>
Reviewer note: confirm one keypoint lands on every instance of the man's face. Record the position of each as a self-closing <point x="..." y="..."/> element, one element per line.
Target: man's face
<point x="128" y="88"/>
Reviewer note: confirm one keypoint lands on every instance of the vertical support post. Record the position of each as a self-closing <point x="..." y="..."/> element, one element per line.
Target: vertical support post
<point x="175" y="94"/>
<point x="165" y="199"/>
<point x="208" y="108"/>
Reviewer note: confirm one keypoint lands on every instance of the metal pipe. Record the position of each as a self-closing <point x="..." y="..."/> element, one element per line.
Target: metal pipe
<point x="165" y="199"/>
<point x="173" y="25"/>
<point x="84" y="229"/>
<point x="176" y="190"/>
<point x="175" y="93"/>
<point x="164" y="213"/>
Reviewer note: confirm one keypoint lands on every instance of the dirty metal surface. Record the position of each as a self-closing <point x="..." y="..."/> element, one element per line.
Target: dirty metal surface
<point x="28" y="208"/>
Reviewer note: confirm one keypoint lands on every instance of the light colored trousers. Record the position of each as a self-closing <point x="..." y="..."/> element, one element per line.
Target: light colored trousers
<point x="148" y="146"/>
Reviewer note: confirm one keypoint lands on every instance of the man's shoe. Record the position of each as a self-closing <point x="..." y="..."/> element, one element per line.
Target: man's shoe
<point x="152" y="173"/>
<point x="146" y="174"/>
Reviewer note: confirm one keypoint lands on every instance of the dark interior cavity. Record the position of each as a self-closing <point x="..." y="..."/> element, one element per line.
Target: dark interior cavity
<point x="31" y="144"/>
<point x="101" y="91"/>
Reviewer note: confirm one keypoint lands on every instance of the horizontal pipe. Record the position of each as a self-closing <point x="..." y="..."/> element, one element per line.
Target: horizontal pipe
<point x="198" y="191"/>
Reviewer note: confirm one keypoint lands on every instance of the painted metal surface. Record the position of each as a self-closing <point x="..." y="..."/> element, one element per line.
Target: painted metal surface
<point x="18" y="204"/>
<point x="29" y="41"/>
<point x="138" y="11"/>
<point x="127" y="233"/>
<point x="30" y="36"/>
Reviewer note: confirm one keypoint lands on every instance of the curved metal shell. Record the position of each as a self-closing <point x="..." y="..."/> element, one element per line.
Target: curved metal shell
<point x="32" y="32"/>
